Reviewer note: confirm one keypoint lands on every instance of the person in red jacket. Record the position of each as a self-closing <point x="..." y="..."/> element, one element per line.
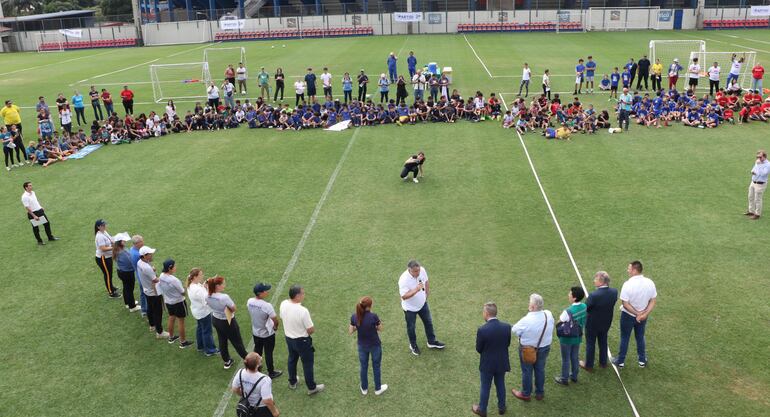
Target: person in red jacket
<point x="756" y="77"/>
<point x="128" y="99"/>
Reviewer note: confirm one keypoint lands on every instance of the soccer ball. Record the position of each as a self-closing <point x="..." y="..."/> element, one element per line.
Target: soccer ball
<point x="284" y="46"/>
<point x="273" y="46"/>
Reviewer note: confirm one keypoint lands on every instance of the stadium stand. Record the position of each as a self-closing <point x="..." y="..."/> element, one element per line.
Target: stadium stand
<point x="520" y="27"/>
<point x="735" y="24"/>
<point x="294" y="33"/>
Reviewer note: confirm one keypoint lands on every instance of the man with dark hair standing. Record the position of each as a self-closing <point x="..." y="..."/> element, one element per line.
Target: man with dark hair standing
<point x="297" y="328"/>
<point x="414" y="290"/>
<point x="310" y="79"/>
<point x="759" y="174"/>
<point x="363" y="80"/>
<point x="264" y="322"/>
<point x="36" y="214"/>
<point x="411" y="63"/>
<point x="492" y="342"/>
<point x="638" y="296"/>
<point x="601" y="308"/>
<point x="632" y="67"/>
<point x="644" y="72"/>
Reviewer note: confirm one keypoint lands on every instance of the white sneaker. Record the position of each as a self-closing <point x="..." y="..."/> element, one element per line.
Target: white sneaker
<point x="318" y="388"/>
<point x="363" y="391"/>
<point x="415" y="180"/>
<point x="383" y="388"/>
<point x="136" y="308"/>
<point x="7" y="168"/>
<point x="28" y="162"/>
<point x="243" y="93"/>
<point x="405" y="179"/>
<point x="163" y="335"/>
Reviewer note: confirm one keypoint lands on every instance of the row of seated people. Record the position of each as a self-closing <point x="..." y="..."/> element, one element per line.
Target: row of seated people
<point x="294" y="33"/>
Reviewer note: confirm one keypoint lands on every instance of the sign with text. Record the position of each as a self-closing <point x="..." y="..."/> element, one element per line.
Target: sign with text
<point x="72" y="33"/>
<point x="232" y="24"/>
<point x="434" y="18"/>
<point x="408" y="17"/>
<point x="665" y="15"/>
<point x="760" y="10"/>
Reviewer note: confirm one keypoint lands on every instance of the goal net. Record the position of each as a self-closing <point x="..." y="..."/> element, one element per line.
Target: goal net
<point x="668" y="50"/>
<point x="622" y="18"/>
<point x="51" y="42"/>
<point x="219" y="58"/>
<point x="179" y="81"/>
<point x="742" y="62"/>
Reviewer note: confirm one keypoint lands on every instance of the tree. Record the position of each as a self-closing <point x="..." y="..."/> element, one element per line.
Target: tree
<point x="22" y="7"/>
<point x="53" y="6"/>
<point x="115" y="7"/>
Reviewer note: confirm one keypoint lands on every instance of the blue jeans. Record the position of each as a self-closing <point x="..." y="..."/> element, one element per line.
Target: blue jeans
<point x="569" y="356"/>
<point x="756" y="84"/>
<point x="418" y="95"/>
<point x="731" y="77"/>
<point x="301" y="348"/>
<point x="393" y="74"/>
<point x="427" y="321"/>
<point x="627" y="324"/>
<point x="363" y="357"/>
<point x="142" y="297"/>
<point x="204" y="336"/>
<point x="486" y="386"/>
<point x="108" y="109"/>
<point x="539" y="370"/>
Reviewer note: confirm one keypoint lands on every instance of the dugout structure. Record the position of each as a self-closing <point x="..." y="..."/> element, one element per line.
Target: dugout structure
<point x="725" y="61"/>
<point x="667" y="50"/>
<point x="179" y="81"/>
<point x="622" y="18"/>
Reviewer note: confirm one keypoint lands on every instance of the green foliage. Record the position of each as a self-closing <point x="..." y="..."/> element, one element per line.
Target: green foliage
<point x="115" y="7"/>
<point x="53" y="6"/>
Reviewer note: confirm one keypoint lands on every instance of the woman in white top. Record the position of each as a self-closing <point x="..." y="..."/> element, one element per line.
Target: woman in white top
<point x="547" y="84"/>
<point x="103" y="242"/>
<point x="256" y="387"/>
<point x="170" y="110"/>
<point x="212" y="93"/>
<point x="66" y="118"/>
<point x="198" y="293"/>
<point x="223" y="306"/>
<point x="173" y="295"/>
<point x="526" y="75"/>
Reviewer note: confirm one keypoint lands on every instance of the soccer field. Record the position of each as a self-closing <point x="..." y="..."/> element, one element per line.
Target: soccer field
<point x="247" y="204"/>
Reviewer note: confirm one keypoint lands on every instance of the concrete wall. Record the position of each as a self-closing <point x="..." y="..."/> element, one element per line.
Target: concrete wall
<point x="28" y="41"/>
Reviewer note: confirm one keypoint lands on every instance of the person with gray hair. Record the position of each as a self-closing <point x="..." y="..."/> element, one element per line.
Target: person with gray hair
<point x="138" y="242"/>
<point x="414" y="290"/>
<point x="534" y="330"/>
<point x="600" y="307"/>
<point x="492" y="342"/>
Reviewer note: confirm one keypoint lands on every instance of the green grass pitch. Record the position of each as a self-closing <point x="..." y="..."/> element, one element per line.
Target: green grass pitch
<point x="237" y="203"/>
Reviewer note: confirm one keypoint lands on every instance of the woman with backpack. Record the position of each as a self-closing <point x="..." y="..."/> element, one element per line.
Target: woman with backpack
<point x="255" y="389"/>
<point x="570" y="331"/>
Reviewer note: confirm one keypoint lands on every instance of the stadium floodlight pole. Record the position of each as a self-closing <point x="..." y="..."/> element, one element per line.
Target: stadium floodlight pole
<point x="1" y="16"/>
<point x="699" y="14"/>
<point x="137" y="20"/>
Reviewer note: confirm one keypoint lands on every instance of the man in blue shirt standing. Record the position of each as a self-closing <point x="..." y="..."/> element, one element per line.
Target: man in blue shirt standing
<point x="590" y="70"/>
<point x="138" y="242"/>
<point x="392" y="72"/>
<point x="614" y="81"/>
<point x="579" y="72"/>
<point x="758" y="184"/>
<point x="624" y="108"/>
<point x="310" y="81"/>
<point x="411" y="62"/>
<point x="492" y="342"/>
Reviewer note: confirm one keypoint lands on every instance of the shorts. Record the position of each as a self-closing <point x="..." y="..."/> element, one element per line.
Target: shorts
<point x="692" y="82"/>
<point x="589" y="78"/>
<point x="578" y="79"/>
<point x="614" y="88"/>
<point x="177" y="310"/>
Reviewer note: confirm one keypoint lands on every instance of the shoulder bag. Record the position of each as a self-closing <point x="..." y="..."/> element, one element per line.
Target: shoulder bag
<point x="529" y="353"/>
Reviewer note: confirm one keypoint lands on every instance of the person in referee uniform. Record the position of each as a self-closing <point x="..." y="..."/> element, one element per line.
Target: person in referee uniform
<point x="104" y="242"/>
<point x="35" y="212"/>
<point x="413" y="165"/>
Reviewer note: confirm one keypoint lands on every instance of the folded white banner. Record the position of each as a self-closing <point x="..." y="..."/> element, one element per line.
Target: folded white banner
<point x="232" y="24"/>
<point x="760" y="10"/>
<point x="408" y="17"/>
<point x="72" y="33"/>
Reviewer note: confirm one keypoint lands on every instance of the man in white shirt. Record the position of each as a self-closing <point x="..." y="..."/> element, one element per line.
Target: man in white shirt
<point x="34" y="213"/>
<point x="263" y="324"/>
<point x="638" y="299"/>
<point x="297" y="328"/>
<point x="419" y="85"/>
<point x="326" y="80"/>
<point x="536" y="330"/>
<point x="414" y="290"/>
<point x="693" y="73"/>
<point x="241" y="76"/>
<point x="526" y="75"/>
<point x="713" y="72"/>
<point x="759" y="174"/>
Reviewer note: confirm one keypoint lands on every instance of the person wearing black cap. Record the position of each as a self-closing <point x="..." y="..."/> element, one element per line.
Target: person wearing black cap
<point x="264" y="322"/>
<point x="173" y="295"/>
<point x="104" y="242"/>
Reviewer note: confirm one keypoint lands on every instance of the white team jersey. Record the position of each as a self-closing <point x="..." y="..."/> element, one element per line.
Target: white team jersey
<point x="735" y="69"/>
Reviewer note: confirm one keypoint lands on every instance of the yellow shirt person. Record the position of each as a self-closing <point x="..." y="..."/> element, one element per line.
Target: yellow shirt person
<point x="563" y="132"/>
<point x="657" y="68"/>
<point x="10" y="114"/>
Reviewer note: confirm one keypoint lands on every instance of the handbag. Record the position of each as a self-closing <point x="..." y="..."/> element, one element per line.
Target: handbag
<point x="244" y="408"/>
<point x="569" y="328"/>
<point x="529" y="353"/>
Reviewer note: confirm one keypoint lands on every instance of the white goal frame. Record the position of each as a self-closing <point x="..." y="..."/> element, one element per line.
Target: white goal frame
<point x="51" y="37"/>
<point x="618" y="18"/>
<point x="157" y="84"/>
<point x="686" y="47"/>
<point x="242" y="51"/>
<point x="706" y="60"/>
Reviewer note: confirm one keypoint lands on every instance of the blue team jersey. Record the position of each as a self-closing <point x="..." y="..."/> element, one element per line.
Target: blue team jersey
<point x="606" y="83"/>
<point x="615" y="78"/>
<point x="411" y="62"/>
<point x="590" y="68"/>
<point x="657" y="103"/>
<point x="626" y="78"/>
<point x="579" y="68"/>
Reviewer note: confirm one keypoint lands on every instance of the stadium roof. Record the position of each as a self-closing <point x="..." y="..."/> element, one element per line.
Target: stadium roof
<point x="46" y="16"/>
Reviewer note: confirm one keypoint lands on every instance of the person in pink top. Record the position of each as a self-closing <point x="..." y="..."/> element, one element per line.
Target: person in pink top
<point x="756" y="77"/>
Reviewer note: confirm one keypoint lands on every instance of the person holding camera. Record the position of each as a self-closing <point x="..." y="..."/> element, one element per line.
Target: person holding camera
<point x="414" y="290"/>
<point x="255" y="388"/>
<point x="535" y="332"/>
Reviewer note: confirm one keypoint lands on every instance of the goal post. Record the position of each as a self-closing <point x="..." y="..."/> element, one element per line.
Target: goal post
<point x="744" y="62"/>
<point x="222" y="57"/>
<point x="179" y="81"/>
<point x="51" y="42"/>
<point x="668" y="50"/>
<point x="622" y="18"/>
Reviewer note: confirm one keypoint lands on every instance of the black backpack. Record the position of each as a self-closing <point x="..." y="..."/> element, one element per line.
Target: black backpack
<point x="244" y="408"/>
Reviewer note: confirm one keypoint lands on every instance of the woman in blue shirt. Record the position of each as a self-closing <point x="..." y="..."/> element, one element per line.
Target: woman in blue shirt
<point x="368" y="325"/>
<point x="347" y="87"/>
<point x="80" y="110"/>
<point x="125" y="270"/>
<point x="384" y="87"/>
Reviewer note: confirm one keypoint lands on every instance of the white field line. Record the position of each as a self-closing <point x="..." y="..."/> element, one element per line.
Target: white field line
<point x="220" y="410"/>
<point x="569" y="254"/>
<point x="114" y="72"/>
<point x="478" y="57"/>
<point x="728" y="43"/>
<point x="57" y="63"/>
<point x="193" y="49"/>
<point x="402" y="47"/>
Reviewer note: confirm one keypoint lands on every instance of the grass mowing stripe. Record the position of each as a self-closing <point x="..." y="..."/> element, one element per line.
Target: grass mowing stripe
<point x="569" y="254"/>
<point x="220" y="410"/>
<point x="478" y="57"/>
<point x="58" y="62"/>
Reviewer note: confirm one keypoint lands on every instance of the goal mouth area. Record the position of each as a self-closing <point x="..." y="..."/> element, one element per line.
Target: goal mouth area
<point x="182" y="81"/>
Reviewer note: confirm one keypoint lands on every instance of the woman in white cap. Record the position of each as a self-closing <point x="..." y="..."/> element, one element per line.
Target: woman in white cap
<point x="125" y="270"/>
<point x="146" y="273"/>
<point x="222" y="307"/>
<point x="201" y="312"/>
<point x="103" y="242"/>
<point x="173" y="294"/>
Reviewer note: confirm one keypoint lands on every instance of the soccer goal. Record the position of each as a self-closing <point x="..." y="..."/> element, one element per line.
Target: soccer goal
<point x="622" y="18"/>
<point x="51" y="42"/>
<point x="668" y="50"/>
<point x="743" y="61"/>
<point x="179" y="81"/>
<point x="220" y="58"/>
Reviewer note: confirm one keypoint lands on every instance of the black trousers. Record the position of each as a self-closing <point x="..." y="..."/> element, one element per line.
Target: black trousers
<point x="214" y="102"/>
<point x="383" y="96"/>
<point x="155" y="312"/>
<point x="278" y="87"/>
<point x="298" y="98"/>
<point x="405" y="172"/>
<point x="656" y="79"/>
<point x="362" y="93"/>
<point x="128" y="105"/>
<point x="623" y="118"/>
<point x="266" y="344"/>
<point x="643" y="76"/>
<point x="348" y="95"/>
<point x="128" y="279"/>
<point x="105" y="265"/>
<point x="20" y="149"/>
<point x="592" y="336"/>
<point x="713" y="86"/>
<point x="229" y="333"/>
<point x="80" y="113"/>
<point x="47" y="225"/>
<point x="547" y="92"/>
<point x="8" y="152"/>
<point x="97" y="110"/>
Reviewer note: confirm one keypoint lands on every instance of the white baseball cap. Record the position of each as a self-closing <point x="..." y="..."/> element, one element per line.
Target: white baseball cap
<point x="122" y="237"/>
<point x="145" y="250"/>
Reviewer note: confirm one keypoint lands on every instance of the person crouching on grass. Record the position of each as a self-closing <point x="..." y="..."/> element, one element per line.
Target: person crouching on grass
<point x="413" y="165"/>
<point x="173" y="295"/>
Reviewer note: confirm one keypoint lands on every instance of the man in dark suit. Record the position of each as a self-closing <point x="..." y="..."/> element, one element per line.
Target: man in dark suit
<point x="600" y="306"/>
<point x="492" y="342"/>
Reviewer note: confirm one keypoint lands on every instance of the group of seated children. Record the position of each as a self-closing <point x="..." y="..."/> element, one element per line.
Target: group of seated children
<point x="570" y="117"/>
